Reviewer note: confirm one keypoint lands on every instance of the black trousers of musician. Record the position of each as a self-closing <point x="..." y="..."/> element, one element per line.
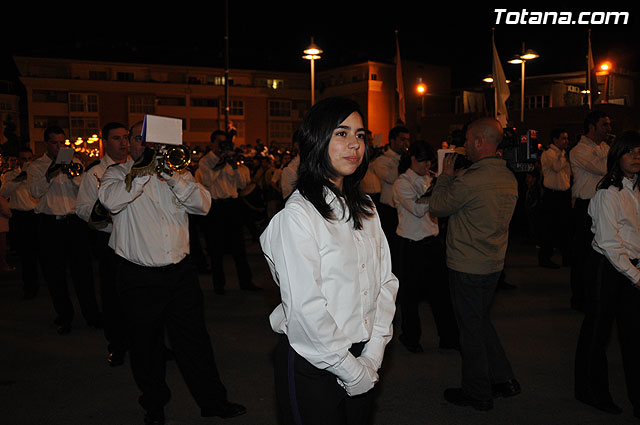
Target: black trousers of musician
<point x="484" y="361"/>
<point x="63" y="244"/>
<point x="610" y="297"/>
<point x="307" y="395"/>
<point x="556" y="221"/>
<point x="581" y="250"/>
<point x="159" y="299"/>
<point x="113" y="317"/>
<point x="225" y="231"/>
<point x="196" y="227"/>
<point x="24" y="229"/>
<point x="389" y="222"/>
<point x="424" y="275"/>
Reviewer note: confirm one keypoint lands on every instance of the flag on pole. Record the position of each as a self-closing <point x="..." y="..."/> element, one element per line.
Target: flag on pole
<point x="501" y="93"/>
<point x="592" y="80"/>
<point x="399" y="83"/>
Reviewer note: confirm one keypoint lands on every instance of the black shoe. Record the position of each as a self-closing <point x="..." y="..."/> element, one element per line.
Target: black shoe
<point x="219" y="291"/>
<point x="226" y="411"/>
<point x="250" y="287"/>
<point x="116" y="358"/>
<point x="506" y="389"/>
<point x="606" y="406"/>
<point x="413" y="347"/>
<point x="459" y="398"/>
<point x="154" y="417"/>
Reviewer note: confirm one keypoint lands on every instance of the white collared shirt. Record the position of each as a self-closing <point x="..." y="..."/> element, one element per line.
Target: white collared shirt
<point x="556" y="170"/>
<point x="414" y="221"/>
<point x="335" y="284"/>
<point x="386" y="168"/>
<point x="589" y="165"/>
<point x="88" y="191"/>
<point x="17" y="192"/>
<point x="616" y="226"/>
<point x="150" y="222"/>
<point x="56" y="197"/>
<point x="223" y="182"/>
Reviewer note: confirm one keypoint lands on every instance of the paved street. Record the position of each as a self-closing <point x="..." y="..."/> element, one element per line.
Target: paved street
<point x="47" y="379"/>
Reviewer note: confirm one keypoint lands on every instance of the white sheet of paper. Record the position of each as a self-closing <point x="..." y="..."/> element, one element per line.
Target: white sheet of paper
<point x="65" y="156"/>
<point x="162" y="130"/>
<point x="441" y="154"/>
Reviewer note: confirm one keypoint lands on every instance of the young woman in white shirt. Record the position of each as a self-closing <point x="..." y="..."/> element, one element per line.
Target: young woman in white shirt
<point x="613" y="292"/>
<point x="328" y="254"/>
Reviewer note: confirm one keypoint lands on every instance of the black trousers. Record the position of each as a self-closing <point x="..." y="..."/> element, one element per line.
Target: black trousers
<point x="610" y="297"/>
<point x="225" y="231"/>
<point x="64" y="245"/>
<point x="113" y="317"/>
<point x="389" y="222"/>
<point x="581" y="250"/>
<point x="24" y="235"/>
<point x="424" y="275"/>
<point x="169" y="298"/>
<point x="484" y="361"/>
<point x="310" y="396"/>
<point x="556" y="219"/>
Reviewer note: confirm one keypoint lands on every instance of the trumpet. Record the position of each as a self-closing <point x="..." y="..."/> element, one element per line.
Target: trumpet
<point x="174" y="159"/>
<point x="72" y="169"/>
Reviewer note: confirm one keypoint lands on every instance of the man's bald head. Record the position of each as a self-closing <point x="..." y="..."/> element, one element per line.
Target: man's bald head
<point x="482" y="138"/>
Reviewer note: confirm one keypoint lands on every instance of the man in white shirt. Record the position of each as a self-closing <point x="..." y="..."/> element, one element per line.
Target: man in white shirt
<point x="115" y="141"/>
<point x="23" y="222"/>
<point x="386" y="168"/>
<point x="62" y="235"/>
<point x="588" y="165"/>
<point x="157" y="282"/>
<point x="219" y="172"/>
<point x="556" y="200"/>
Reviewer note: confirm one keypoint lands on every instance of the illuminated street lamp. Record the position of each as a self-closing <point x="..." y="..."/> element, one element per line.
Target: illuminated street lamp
<point x="312" y="53"/>
<point x="522" y="59"/>
<point x="421" y="90"/>
<point x="605" y="69"/>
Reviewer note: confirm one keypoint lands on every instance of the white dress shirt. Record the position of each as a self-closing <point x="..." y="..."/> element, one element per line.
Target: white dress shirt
<point x="589" y="165"/>
<point x="386" y="168"/>
<point x="616" y="226"/>
<point x="150" y="222"/>
<point x="289" y="176"/>
<point x="223" y="182"/>
<point x="414" y="221"/>
<point x="556" y="169"/>
<point x="57" y="196"/>
<point x="88" y="191"/>
<point x="335" y="284"/>
<point x="17" y="192"/>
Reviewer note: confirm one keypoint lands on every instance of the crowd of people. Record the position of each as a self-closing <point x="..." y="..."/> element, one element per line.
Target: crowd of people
<point x="350" y="232"/>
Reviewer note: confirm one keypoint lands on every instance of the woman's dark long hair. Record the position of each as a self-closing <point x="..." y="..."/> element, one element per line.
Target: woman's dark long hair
<point x="315" y="170"/>
<point x="628" y="141"/>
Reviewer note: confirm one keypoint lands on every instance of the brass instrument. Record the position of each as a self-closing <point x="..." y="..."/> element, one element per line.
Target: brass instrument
<point x="72" y="169"/>
<point x="175" y="158"/>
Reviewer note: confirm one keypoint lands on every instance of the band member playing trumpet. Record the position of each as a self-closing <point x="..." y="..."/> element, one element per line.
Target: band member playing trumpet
<point x="158" y="283"/>
<point x="63" y="237"/>
<point x="115" y="140"/>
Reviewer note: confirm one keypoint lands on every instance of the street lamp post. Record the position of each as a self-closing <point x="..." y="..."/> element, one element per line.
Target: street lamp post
<point x="312" y="53"/>
<point x="522" y="59"/>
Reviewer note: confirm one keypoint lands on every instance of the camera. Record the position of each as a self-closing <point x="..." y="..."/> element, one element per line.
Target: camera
<point x="520" y="149"/>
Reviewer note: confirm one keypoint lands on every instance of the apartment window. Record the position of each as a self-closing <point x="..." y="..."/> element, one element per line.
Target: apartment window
<point x="83" y="102"/>
<point x="83" y="127"/>
<point x="50" y="96"/>
<point x="142" y="104"/>
<point x="279" y="108"/>
<point x="125" y="76"/>
<point x="171" y="101"/>
<point x="275" y="84"/>
<point x="236" y="107"/>
<point x="374" y="76"/>
<point x="536" y="102"/>
<point x="98" y="75"/>
<point x="204" y="102"/>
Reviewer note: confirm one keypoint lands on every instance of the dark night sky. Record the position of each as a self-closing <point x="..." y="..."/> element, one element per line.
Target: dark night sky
<point x="271" y="35"/>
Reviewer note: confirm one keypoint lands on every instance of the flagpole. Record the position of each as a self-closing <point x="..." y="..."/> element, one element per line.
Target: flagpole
<point x="495" y="78"/>
<point x="589" y="58"/>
